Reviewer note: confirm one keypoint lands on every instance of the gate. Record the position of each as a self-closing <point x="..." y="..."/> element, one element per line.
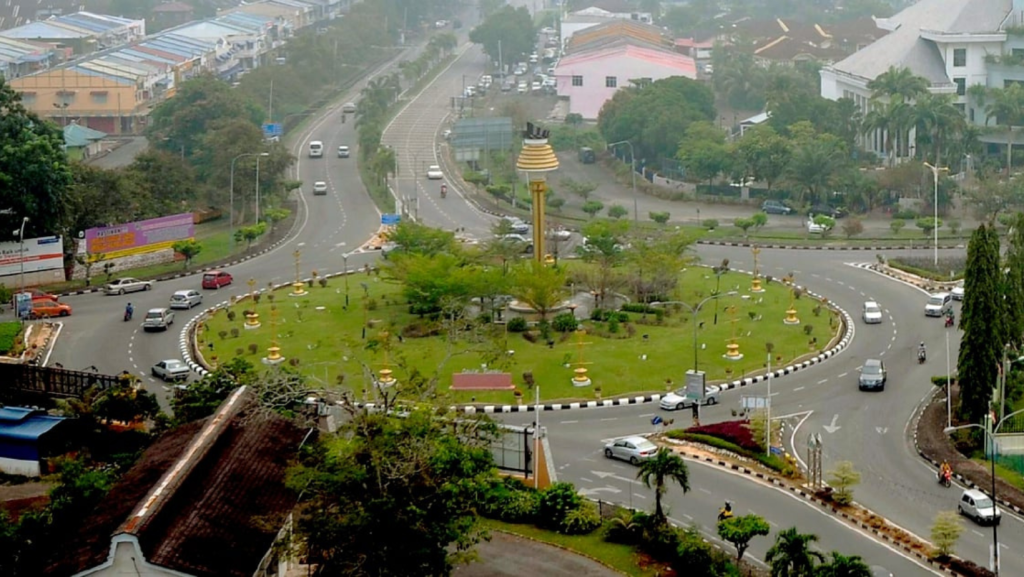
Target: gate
<point x="40" y="386"/>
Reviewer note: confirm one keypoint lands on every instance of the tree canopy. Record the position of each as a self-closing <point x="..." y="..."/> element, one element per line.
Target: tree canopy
<point x="509" y="28"/>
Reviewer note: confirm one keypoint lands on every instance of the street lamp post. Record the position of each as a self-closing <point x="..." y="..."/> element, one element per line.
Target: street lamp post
<point x="344" y="258"/>
<point x="694" y="311"/>
<point x="992" y="461"/>
<point x="632" y="170"/>
<point x="21" y="256"/>
<point x="935" y="206"/>
<point x="231" y="193"/>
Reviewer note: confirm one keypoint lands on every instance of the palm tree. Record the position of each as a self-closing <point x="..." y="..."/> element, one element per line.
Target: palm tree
<point x="656" y="472"/>
<point x="891" y="93"/>
<point x="937" y="118"/>
<point x="978" y="95"/>
<point x="842" y="566"/>
<point x="898" y="84"/>
<point x="791" y="555"/>
<point x="1007" y="106"/>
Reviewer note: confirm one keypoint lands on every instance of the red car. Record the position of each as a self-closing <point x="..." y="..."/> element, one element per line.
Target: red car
<point x="38" y="295"/>
<point x="216" y="279"/>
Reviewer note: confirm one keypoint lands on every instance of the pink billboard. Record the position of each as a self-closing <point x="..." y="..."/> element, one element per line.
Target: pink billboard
<point x="140" y="237"/>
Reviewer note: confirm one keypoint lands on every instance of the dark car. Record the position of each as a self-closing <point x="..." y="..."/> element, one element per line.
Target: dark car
<point x="872" y="375"/>
<point x="827" y="210"/>
<point x="775" y="207"/>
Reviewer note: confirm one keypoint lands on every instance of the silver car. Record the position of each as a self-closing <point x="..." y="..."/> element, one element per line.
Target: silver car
<point x="186" y="299"/>
<point x="127" y="285"/>
<point x="632" y="449"/>
<point x="978" y="506"/>
<point x="872" y="313"/>
<point x="171" y="370"/>
<point x="158" y="319"/>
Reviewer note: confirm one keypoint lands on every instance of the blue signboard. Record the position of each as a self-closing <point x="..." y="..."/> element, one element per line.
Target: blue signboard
<point x="23" y="304"/>
<point x="390" y="219"/>
<point x="271" y="129"/>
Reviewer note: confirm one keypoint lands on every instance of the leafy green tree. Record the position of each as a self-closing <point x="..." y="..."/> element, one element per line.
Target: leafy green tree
<point x="188" y="249"/>
<point x="201" y="398"/>
<point x="760" y="218"/>
<point x="897" y="225"/>
<point x="431" y="281"/>
<point x="99" y="197"/>
<point x="927" y="224"/>
<point x="656" y="472"/>
<point x="827" y="223"/>
<point x="581" y="187"/>
<point x="592" y="207"/>
<point x="839" y="565"/>
<point x="416" y="238"/>
<point x="791" y="555"/>
<point x="744" y="224"/>
<point x="34" y="173"/>
<point x="815" y="163"/>
<point x="937" y="120"/>
<point x="416" y="479"/>
<point x="981" y="320"/>
<point x="740" y="530"/>
<point x="539" y="286"/>
<point x="843" y="478"/>
<point x="765" y="154"/>
<point x="703" y="152"/>
<point x="659" y="217"/>
<point x="617" y="211"/>
<point x="250" y="233"/>
<point x="274" y="216"/>
<point x="946" y="530"/>
<point x="512" y="29"/>
<point x="125" y="403"/>
<point x="169" y="183"/>
<point x="1006" y="105"/>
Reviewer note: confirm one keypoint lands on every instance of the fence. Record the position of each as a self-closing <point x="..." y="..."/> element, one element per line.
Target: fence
<point x="33" y="385"/>
<point x="514" y="451"/>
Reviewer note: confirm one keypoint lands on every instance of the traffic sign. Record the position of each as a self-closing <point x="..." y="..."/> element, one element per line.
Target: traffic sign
<point x="390" y="219"/>
<point x="272" y="129"/>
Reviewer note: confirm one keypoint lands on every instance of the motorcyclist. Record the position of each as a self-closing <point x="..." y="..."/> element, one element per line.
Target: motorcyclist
<point x="922" y="352"/>
<point x="945" y="472"/>
<point x="950" y="319"/>
<point x="725" y="512"/>
<point x="444" y="190"/>
<point x="128" y="310"/>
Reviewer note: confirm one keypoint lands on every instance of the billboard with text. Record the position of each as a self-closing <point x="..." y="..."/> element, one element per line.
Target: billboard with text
<point x="139" y="237"/>
<point x="45" y="253"/>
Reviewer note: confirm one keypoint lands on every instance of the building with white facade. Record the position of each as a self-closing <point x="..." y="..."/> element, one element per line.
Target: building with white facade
<point x="953" y="44"/>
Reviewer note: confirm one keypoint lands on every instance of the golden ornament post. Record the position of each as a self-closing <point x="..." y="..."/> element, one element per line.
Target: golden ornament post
<point x="755" y="284"/>
<point x="274" y="351"/>
<point x="252" y="318"/>
<point x="298" y="287"/>
<point x="536" y="159"/>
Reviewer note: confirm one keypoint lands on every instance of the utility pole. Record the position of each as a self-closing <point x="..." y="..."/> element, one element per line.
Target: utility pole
<point x="270" y="105"/>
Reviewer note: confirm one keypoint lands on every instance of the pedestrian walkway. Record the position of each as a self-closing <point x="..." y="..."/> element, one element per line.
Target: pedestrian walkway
<point x="513" y="556"/>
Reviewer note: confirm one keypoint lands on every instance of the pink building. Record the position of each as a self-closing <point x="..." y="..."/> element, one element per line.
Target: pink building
<point x="588" y="79"/>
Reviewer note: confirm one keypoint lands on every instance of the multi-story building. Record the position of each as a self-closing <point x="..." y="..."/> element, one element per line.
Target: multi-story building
<point x="953" y="44"/>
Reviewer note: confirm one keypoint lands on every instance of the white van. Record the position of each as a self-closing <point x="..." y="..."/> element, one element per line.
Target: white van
<point x="938" y="304"/>
<point x="316" y="149"/>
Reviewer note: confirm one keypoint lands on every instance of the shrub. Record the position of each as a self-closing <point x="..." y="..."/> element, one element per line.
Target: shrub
<point x="565" y="322"/>
<point x="639" y="308"/>
<point x="659" y="217"/>
<point x="581" y="520"/>
<point x="771" y="461"/>
<point x="9" y="332"/>
<point x="511" y="501"/>
<point x="323" y="282"/>
<point x="253" y="348"/>
<point x="904" y="214"/>
<point x="371" y="305"/>
<point x="613" y="324"/>
<point x="419" y="330"/>
<point x="235" y="332"/>
<point x="853" y="227"/>
<point x="710" y="224"/>
<point x="617" y="211"/>
<point x="626" y="527"/>
<point x="661" y="541"/>
<point x="231" y="315"/>
<point x="555" y="504"/>
<point x="222" y="334"/>
<point x="695" y="557"/>
<point x="736" y="432"/>
<point x="516" y="325"/>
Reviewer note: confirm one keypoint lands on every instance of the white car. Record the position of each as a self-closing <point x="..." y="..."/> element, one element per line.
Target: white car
<point x="522" y="88"/>
<point x="127" y="285"/>
<point x="434" y="172"/>
<point x="680" y="399"/>
<point x="516" y="224"/>
<point x="872" y="314"/>
<point x="548" y="30"/>
<point x="520" y="239"/>
<point x="343" y="151"/>
<point x="186" y="299"/>
<point x="319" y="188"/>
<point x="536" y="86"/>
<point x="958" y="292"/>
<point x="815" y="228"/>
<point x="632" y="449"/>
<point x="559" y="234"/>
<point x="171" y="370"/>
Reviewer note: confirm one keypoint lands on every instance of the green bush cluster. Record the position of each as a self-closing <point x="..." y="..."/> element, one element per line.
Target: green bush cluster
<point x="641" y="308"/>
<point x="771" y="461"/>
<point x="605" y="315"/>
<point x="558" y="508"/>
<point x="565" y="322"/>
<point x="685" y="550"/>
<point x="516" y="325"/>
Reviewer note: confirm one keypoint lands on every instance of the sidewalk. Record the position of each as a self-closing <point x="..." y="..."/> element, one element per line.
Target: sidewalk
<point x="512" y="556"/>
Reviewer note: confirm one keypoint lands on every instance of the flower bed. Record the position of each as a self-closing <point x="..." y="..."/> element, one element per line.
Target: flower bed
<point x="736" y="432"/>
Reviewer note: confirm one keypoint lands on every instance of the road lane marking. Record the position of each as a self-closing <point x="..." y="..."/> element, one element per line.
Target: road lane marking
<point x="841" y="375"/>
<point x="568" y="422"/>
<point x="822" y="381"/>
<point x="798" y="389"/>
<point x="611" y="419"/>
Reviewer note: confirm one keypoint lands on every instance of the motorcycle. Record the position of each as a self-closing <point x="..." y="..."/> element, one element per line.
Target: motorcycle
<point x="949" y="321"/>
<point x="444" y="190"/>
<point x="945" y="478"/>
<point x="127" y="315"/>
<point x="921" y="356"/>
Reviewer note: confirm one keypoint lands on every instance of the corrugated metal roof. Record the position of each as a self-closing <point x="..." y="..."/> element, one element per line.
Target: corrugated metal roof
<point x="44" y="30"/>
<point x="28" y="427"/>
<point x="78" y="136"/>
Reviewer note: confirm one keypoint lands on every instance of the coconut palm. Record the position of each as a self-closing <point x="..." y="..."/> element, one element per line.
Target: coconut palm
<point x="889" y="117"/>
<point x="840" y="565"/>
<point x="791" y="555"/>
<point x="898" y="84"/>
<point x="978" y="95"/>
<point x="1007" y="106"/>
<point x="655" y="473"/>
<point x="937" y="120"/>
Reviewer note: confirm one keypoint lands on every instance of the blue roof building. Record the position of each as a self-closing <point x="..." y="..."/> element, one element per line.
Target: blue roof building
<point x="28" y="438"/>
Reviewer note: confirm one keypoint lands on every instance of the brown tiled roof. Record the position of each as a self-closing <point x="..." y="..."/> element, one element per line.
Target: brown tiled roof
<point x="221" y="501"/>
<point x="619" y="29"/>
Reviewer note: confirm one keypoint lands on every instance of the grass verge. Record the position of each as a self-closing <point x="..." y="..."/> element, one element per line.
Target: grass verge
<point x="318" y="331"/>
<point x="622" y="558"/>
<point x="9" y="332"/>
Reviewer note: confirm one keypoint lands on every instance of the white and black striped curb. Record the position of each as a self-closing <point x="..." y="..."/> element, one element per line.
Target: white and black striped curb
<point x="812" y="498"/>
<point x="738" y="383"/>
<point x="963" y="480"/>
<point x="194" y="272"/>
<point x="814" y="246"/>
<point x="187" y="341"/>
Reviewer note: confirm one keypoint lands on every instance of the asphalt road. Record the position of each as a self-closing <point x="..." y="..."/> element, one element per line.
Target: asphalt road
<point x="870" y="429"/>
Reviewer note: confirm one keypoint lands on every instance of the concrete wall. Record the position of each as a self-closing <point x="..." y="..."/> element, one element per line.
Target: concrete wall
<point x="121" y="264"/>
<point x="1010" y="444"/>
<point x="19" y="467"/>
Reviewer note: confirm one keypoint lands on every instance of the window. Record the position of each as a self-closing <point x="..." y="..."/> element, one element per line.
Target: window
<point x="577" y="80"/>
<point x="611" y="81"/>
<point x="98" y="97"/>
<point x="961" y="86"/>
<point x="959" y="57"/>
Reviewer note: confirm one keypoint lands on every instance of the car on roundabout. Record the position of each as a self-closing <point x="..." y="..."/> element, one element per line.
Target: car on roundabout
<point x="958" y="291"/>
<point x="978" y="506"/>
<point x="158" y="319"/>
<point x="682" y="399"/>
<point x="872" y="376"/>
<point x="45" y="309"/>
<point x="171" y="370"/>
<point x="632" y="449"/>
<point x="216" y="279"/>
<point x="434" y="172"/>
<point x="872" y="313"/>
<point x="126" y="285"/>
<point x="319" y="188"/>
<point x="186" y="299"/>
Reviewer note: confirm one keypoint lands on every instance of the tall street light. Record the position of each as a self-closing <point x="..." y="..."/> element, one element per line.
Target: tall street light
<point x="258" y="157"/>
<point x="694" y="311"/>
<point x="632" y="171"/>
<point x="935" y="205"/>
<point x="21" y="256"/>
<point x="231" y="195"/>
<point x="992" y="461"/>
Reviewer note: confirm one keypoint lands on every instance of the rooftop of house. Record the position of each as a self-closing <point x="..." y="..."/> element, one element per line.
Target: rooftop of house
<point x="613" y="6"/>
<point x="206" y="499"/>
<point x="594" y="35"/>
<point x="25" y="424"/>
<point x="78" y="136"/>
<point x="905" y="47"/>
<point x="684" y="65"/>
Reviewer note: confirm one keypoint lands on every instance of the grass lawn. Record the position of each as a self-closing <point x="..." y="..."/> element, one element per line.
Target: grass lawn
<point x="326" y="339"/>
<point x="620" y="557"/>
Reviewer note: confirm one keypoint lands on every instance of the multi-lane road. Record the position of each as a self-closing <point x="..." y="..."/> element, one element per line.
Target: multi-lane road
<point x="870" y="429"/>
